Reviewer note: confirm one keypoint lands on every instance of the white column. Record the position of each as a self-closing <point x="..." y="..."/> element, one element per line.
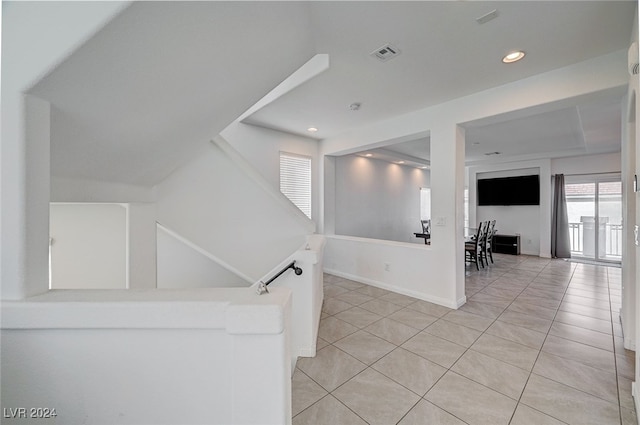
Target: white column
<point x="447" y="203"/>
<point x="327" y="220"/>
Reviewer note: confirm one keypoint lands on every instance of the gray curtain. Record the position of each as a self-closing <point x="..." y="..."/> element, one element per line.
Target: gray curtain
<point x="560" y="243"/>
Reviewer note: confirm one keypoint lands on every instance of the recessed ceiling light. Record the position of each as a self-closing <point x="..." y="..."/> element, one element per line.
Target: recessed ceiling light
<point x="355" y="106"/>
<point x="312" y="129"/>
<point x="368" y="155"/>
<point x="424" y="167"/>
<point x="400" y="162"/>
<point x="513" y="57"/>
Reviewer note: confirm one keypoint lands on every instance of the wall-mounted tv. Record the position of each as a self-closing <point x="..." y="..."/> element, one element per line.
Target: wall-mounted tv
<point x="519" y="190"/>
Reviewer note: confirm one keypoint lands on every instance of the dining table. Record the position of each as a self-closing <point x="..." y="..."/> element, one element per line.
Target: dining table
<point x="425" y="236"/>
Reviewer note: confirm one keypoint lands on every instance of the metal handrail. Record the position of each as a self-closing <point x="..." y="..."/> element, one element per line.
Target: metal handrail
<point x="262" y="287"/>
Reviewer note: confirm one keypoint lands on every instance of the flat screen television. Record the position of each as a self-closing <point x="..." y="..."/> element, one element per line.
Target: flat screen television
<point x="519" y="190"/>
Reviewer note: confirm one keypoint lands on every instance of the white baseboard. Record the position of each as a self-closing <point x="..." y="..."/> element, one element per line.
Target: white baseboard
<point x="419" y="295"/>
<point x="630" y="344"/>
<point x="307" y="352"/>
<point x="634" y="393"/>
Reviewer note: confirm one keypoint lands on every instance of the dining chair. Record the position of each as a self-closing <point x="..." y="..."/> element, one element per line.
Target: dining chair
<point x="426" y="230"/>
<point x="426" y="226"/>
<point x="482" y="244"/>
<point x="472" y="247"/>
<point x="488" y="250"/>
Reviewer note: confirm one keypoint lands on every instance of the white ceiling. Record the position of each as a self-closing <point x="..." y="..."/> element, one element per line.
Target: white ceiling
<point x="588" y="127"/>
<point x="140" y="96"/>
<point x="447" y="54"/>
<point x="161" y="79"/>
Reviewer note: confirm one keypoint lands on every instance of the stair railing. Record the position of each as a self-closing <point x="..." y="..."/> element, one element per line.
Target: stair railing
<point x="262" y="287"/>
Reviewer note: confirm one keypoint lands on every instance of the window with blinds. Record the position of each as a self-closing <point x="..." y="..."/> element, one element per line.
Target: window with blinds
<point x="295" y="180"/>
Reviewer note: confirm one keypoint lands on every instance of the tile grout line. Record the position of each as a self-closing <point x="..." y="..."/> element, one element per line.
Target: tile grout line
<point x="367" y="366"/>
<point x="538" y="356"/>
<point x="615" y="351"/>
<point x="485" y="284"/>
<point x="546" y="335"/>
<point x="518" y="401"/>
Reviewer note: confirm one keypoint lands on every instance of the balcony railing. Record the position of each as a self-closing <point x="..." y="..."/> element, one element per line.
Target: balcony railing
<point x="583" y="243"/>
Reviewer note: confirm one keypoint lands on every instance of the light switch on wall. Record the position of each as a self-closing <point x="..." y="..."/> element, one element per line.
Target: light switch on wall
<point x="441" y="221"/>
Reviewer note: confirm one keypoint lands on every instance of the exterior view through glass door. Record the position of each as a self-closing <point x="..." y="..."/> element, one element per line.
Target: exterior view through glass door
<point x="594" y="206"/>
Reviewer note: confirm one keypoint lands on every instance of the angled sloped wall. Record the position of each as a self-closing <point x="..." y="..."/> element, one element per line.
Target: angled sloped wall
<point x="221" y="204"/>
<point x="183" y="265"/>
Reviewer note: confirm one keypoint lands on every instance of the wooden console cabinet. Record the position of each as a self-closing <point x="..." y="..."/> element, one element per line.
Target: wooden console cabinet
<point x="506" y="244"/>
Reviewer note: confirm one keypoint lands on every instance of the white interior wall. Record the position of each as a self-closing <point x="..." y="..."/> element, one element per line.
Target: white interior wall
<point x="628" y="311"/>
<point x="31" y="54"/>
<point x="215" y="356"/>
<point x="65" y="189"/>
<point x="520" y="220"/>
<point x="408" y="269"/>
<point x="261" y="147"/>
<point x="583" y="79"/>
<point x="219" y="202"/>
<point x="35" y="258"/>
<point x="181" y="265"/>
<point x="141" y="244"/>
<point x="377" y="199"/>
<point x="587" y="164"/>
<point x="634" y="107"/>
<point x="89" y="246"/>
<point x="434" y="272"/>
<point x="531" y="222"/>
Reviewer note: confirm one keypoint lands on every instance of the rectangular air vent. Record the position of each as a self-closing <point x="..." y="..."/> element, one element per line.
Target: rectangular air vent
<point x="487" y="17"/>
<point x="386" y="52"/>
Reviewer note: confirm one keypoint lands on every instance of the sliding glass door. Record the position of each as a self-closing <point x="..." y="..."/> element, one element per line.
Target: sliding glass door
<point x="594" y="205"/>
<point x="610" y="220"/>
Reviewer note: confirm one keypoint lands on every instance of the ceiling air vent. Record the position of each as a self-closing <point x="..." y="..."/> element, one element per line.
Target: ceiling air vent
<point x="487" y="17"/>
<point x="386" y="52"/>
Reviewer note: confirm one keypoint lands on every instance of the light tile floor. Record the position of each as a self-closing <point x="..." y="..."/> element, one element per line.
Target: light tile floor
<point x="538" y="342"/>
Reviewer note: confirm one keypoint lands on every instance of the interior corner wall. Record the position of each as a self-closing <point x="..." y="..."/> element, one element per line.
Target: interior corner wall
<point x="327" y="222"/>
<point x="37" y="153"/>
<point x="261" y="147"/>
<point x="218" y="205"/>
<point x="141" y="245"/>
<point x="377" y="199"/>
<point x="531" y="222"/>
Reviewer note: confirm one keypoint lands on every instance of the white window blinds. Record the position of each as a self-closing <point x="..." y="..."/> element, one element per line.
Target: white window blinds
<point x="295" y="180"/>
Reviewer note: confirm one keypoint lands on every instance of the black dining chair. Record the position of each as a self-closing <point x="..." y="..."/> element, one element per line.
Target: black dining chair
<point x="426" y="226"/>
<point x="426" y="230"/>
<point x="488" y="249"/>
<point x="472" y="247"/>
